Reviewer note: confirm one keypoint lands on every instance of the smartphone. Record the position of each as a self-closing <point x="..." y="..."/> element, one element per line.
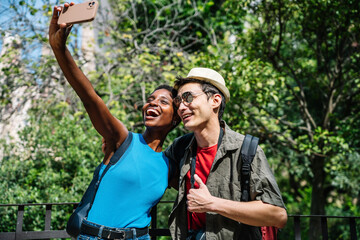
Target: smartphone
<point x="79" y="13"/>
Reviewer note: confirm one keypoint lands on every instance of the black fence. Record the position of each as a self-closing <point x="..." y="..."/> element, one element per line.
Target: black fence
<point x="48" y="233"/>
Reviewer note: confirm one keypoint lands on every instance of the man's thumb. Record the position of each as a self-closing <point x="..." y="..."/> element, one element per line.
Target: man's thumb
<point x="199" y="181"/>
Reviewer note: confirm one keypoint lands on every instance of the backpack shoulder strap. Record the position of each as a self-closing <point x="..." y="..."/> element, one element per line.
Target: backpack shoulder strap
<point x="121" y="150"/>
<point x="118" y="153"/>
<point x="248" y="151"/>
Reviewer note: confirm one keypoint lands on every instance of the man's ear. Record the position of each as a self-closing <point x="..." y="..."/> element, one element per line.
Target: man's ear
<point x="216" y="100"/>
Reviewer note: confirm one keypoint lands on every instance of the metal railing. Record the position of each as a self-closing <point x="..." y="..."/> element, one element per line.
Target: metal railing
<point x="48" y="233"/>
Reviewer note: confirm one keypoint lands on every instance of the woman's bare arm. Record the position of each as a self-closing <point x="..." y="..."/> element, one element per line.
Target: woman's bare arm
<point x="113" y="131"/>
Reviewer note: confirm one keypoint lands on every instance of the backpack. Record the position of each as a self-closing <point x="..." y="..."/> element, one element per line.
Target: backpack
<point x="248" y="151"/>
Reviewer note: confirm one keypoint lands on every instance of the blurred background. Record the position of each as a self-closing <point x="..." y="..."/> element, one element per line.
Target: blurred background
<point x="292" y="68"/>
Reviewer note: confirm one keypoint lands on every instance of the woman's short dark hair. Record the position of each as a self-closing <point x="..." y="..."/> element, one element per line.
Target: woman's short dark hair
<point x="207" y="88"/>
<point x="169" y="88"/>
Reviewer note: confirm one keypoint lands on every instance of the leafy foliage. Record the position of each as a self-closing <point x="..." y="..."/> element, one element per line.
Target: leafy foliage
<point x="53" y="162"/>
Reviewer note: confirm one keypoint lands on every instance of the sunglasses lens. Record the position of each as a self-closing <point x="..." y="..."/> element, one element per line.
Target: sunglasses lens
<point x="188" y="97"/>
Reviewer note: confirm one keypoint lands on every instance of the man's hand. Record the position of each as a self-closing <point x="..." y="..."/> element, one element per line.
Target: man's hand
<point x="58" y="33"/>
<point x="199" y="200"/>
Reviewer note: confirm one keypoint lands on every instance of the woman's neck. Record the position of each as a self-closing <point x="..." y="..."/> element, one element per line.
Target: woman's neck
<point x="154" y="139"/>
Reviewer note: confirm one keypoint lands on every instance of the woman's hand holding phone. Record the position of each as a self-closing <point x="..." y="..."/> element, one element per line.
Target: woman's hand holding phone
<point x="64" y="17"/>
<point x="58" y="33"/>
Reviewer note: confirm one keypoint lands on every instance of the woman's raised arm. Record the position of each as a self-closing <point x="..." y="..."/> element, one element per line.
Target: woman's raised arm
<point x="113" y="131"/>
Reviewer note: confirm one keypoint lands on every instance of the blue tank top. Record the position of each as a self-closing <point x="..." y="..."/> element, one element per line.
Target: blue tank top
<point x="131" y="187"/>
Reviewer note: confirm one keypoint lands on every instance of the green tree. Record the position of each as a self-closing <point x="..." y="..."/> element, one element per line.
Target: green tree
<point x="304" y="79"/>
<point x="53" y="162"/>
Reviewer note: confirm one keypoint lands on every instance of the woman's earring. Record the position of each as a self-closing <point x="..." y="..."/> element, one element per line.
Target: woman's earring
<point x="174" y="123"/>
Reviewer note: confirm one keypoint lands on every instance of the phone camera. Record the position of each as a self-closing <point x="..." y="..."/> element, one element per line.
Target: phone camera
<point x="91" y="4"/>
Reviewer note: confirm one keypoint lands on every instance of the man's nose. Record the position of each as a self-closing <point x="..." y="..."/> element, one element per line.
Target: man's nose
<point x="181" y="107"/>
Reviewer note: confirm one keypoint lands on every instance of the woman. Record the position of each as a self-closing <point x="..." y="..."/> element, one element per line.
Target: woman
<point x="133" y="186"/>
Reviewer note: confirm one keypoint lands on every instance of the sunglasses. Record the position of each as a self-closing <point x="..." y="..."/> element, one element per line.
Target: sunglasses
<point x="187" y="97"/>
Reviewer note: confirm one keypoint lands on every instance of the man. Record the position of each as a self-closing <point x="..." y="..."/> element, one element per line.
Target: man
<point x="212" y="151"/>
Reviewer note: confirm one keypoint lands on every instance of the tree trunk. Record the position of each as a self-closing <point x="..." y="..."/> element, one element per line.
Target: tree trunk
<point x="317" y="197"/>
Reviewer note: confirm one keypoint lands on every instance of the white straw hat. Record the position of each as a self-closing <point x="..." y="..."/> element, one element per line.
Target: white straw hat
<point x="210" y="76"/>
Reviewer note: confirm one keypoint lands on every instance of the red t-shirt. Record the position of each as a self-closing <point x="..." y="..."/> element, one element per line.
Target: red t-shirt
<point x="204" y="160"/>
